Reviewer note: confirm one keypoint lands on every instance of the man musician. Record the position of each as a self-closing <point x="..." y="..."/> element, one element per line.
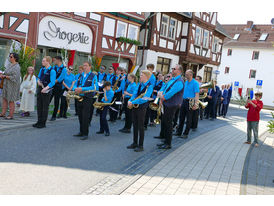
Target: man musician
<point x="171" y="99"/>
<point x="46" y="81"/>
<point x="86" y="81"/>
<point x="191" y="96"/>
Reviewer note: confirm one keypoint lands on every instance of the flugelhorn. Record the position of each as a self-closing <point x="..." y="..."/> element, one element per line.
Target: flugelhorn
<point x="155" y="104"/>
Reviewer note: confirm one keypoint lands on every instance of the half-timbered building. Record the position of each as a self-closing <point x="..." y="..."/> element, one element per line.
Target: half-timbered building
<point x="192" y="39"/>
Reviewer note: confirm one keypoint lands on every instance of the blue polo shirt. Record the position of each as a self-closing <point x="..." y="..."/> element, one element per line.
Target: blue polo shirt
<point x="147" y="94"/>
<point x="191" y="88"/>
<point x="110" y="95"/>
<point x="68" y="79"/>
<point x="130" y="89"/>
<point x="178" y="86"/>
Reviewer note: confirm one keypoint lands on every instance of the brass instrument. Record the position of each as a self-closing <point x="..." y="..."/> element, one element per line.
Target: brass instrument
<point x="157" y="120"/>
<point x="139" y="97"/>
<point x="101" y="105"/>
<point x="115" y="87"/>
<point x="154" y="105"/>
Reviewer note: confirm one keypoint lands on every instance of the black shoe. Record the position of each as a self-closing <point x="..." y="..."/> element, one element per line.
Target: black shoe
<point x="158" y="137"/>
<point x="211" y="119"/>
<point x="100" y="132"/>
<point x="119" y="118"/>
<point x="145" y="128"/>
<point x="53" y="119"/>
<point x="165" y="146"/>
<point x="177" y="134"/>
<point x="59" y="116"/>
<point x="184" y="136"/>
<point x="139" y="149"/>
<point x="84" y="137"/>
<point x="152" y="124"/>
<point x="194" y="129"/>
<point x="223" y="116"/>
<point x="78" y="135"/>
<point x="124" y="130"/>
<point x="107" y="134"/>
<point x="65" y="117"/>
<point x="35" y="125"/>
<point x="40" y="126"/>
<point x="132" y="146"/>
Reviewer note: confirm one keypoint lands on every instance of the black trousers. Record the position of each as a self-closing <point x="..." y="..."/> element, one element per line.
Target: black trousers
<point x="128" y="114"/>
<point x="212" y="108"/>
<point x="148" y="114"/>
<point x="176" y="117"/>
<point x="217" y="107"/>
<point x="91" y="109"/>
<point x="138" y="118"/>
<point x="185" y="113"/>
<point x="84" y="108"/>
<point x="56" y="93"/>
<point x="167" y="123"/>
<point x="114" y="114"/>
<point x="64" y="105"/>
<point x="195" y="120"/>
<point x="103" y="120"/>
<point x="76" y="107"/>
<point x="224" y="109"/>
<point x="43" y="100"/>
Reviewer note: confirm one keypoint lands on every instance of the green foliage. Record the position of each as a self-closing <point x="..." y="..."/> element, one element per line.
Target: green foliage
<point x="129" y="41"/>
<point x="26" y="57"/>
<point x="2" y="68"/>
<point x="96" y="63"/>
<point x="270" y="124"/>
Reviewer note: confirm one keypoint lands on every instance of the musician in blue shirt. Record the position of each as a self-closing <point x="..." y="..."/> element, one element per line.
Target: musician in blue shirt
<point x="124" y="76"/>
<point x="46" y="81"/>
<point x="118" y="94"/>
<point x="126" y="96"/>
<point x="57" y="89"/>
<point x="85" y="83"/>
<point x="111" y="76"/>
<point x="68" y="84"/>
<point x="139" y="113"/>
<point x="107" y="98"/>
<point x="191" y="93"/>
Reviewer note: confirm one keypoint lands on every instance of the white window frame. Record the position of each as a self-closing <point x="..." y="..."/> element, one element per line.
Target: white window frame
<point x="215" y="45"/>
<point x="207" y="40"/>
<point x="236" y="36"/>
<point x="125" y="32"/>
<point x="136" y="33"/>
<point x="198" y="41"/>
<point x="166" y="24"/>
<point x="263" y="37"/>
<point x="174" y="27"/>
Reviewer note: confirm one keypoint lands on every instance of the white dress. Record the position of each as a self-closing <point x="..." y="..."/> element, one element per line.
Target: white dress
<point x="27" y="101"/>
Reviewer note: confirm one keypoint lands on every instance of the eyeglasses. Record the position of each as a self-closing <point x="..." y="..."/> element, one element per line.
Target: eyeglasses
<point x="173" y="68"/>
<point x="168" y="76"/>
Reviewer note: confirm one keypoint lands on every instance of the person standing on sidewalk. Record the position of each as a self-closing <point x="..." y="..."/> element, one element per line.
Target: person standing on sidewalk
<point x="57" y="89"/>
<point x="171" y="100"/>
<point x="138" y="114"/>
<point x="253" y="117"/>
<point x="46" y="81"/>
<point x="28" y="90"/>
<point x="80" y="71"/>
<point x="191" y="91"/>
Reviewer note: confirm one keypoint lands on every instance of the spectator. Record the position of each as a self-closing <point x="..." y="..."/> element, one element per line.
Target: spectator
<point x="11" y="86"/>
<point x="28" y="90"/>
<point x="253" y="116"/>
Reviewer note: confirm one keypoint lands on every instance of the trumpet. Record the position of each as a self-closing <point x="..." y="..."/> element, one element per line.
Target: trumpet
<point x="154" y="105"/>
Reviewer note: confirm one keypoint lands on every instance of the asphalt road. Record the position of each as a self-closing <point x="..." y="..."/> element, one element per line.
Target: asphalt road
<point x="52" y="161"/>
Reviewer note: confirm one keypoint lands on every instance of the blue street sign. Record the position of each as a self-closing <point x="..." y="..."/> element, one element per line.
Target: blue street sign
<point x="216" y="71"/>
<point x="259" y="83"/>
<point x="236" y="84"/>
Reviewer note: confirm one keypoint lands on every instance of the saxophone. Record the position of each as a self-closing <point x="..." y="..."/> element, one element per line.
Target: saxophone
<point x="115" y="86"/>
<point x="101" y="105"/>
<point x="139" y="97"/>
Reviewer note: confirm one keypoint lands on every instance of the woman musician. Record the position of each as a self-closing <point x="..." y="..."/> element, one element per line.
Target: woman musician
<point x="144" y="89"/>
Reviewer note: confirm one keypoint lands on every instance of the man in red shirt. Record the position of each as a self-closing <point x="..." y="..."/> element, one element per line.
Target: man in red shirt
<point x="253" y="116"/>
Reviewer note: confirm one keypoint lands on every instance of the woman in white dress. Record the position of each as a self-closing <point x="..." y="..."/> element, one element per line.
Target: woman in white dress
<point x="28" y="90"/>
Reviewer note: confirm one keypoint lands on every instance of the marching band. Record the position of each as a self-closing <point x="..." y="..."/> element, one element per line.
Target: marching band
<point x="156" y="98"/>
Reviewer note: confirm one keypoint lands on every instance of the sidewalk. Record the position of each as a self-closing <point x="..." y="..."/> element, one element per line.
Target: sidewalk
<point x="209" y="164"/>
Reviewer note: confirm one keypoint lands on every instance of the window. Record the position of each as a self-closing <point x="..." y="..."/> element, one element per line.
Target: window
<point x="252" y="74"/>
<point x="163" y="65"/>
<point x="236" y="36"/>
<point x="207" y="74"/>
<point x="206" y="38"/>
<point x="198" y="36"/>
<point x="229" y="52"/>
<point x="215" y="45"/>
<point x="164" y="25"/>
<point x="263" y="37"/>
<point x="132" y="32"/>
<point x="121" y="29"/>
<point x="255" y="55"/>
<point x="226" y="70"/>
<point x="172" y="28"/>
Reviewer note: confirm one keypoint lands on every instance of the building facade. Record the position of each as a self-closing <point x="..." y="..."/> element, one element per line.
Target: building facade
<point x="247" y="59"/>
<point x="193" y="40"/>
<point x="85" y="33"/>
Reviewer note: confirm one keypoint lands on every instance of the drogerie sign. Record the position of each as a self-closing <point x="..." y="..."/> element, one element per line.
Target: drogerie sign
<point x="63" y="33"/>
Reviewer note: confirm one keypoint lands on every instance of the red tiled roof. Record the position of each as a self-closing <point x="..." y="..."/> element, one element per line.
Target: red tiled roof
<point x="249" y="38"/>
